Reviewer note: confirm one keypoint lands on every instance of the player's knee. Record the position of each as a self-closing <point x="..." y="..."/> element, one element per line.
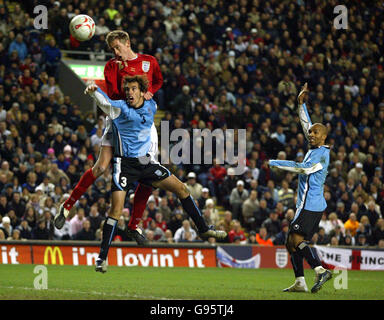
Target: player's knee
<point x="290" y="245"/>
<point x="98" y="170"/>
<point x="183" y="192"/>
<point x="115" y="213"/>
<point x="290" y="248"/>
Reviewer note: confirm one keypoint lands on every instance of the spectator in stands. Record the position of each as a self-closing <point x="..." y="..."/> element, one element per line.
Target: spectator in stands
<point x="322" y="237"/>
<point x="249" y="209"/>
<point x="226" y="221"/>
<point x="25" y="230"/>
<point x="95" y="218"/>
<point x="262" y="237"/>
<point x="281" y="237"/>
<point x="86" y="233"/>
<point x="185" y="232"/>
<point x="168" y="237"/>
<point x="272" y="224"/>
<point x="236" y="232"/>
<point x="160" y="222"/>
<point x="356" y="173"/>
<point x="252" y="238"/>
<point x="352" y="224"/>
<point x="193" y="186"/>
<point x="378" y="231"/>
<point x="40" y="232"/>
<point x="227" y="186"/>
<point x="237" y="198"/>
<point x="213" y="212"/>
<point x="52" y="56"/>
<point x="216" y="177"/>
<point x="262" y="213"/>
<point x="286" y="195"/>
<point x="6" y="227"/>
<point x="19" y="46"/>
<point x="77" y="221"/>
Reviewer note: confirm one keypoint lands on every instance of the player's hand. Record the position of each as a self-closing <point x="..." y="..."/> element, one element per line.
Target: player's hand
<point x="90" y="88"/>
<point x="302" y="97"/>
<point x="148" y="95"/>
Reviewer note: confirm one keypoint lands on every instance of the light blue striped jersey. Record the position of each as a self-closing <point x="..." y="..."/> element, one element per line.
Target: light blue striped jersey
<point x="312" y="171"/>
<point x="131" y="127"/>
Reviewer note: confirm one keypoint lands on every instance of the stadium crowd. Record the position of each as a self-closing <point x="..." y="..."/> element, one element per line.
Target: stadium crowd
<point x="226" y="64"/>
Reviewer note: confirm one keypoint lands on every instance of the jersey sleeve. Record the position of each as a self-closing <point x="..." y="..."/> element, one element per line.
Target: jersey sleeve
<point x="110" y="76"/>
<point x="157" y="77"/>
<point x="153" y="106"/>
<point x="305" y="120"/>
<point x="110" y="107"/>
<point x="313" y="164"/>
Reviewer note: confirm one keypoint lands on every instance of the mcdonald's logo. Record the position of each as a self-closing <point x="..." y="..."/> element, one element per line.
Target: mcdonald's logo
<point x="52" y="253"/>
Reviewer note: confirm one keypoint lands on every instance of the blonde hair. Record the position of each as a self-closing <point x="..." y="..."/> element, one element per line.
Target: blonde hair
<point x="120" y="35"/>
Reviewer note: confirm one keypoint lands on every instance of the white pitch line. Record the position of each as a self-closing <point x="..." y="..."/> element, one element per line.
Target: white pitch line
<point x="134" y="296"/>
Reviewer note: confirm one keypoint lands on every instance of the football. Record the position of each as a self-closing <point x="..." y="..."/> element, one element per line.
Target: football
<point x="82" y="27"/>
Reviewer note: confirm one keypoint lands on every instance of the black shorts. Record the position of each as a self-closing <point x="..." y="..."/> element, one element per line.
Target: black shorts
<point x="306" y="223"/>
<point x="126" y="171"/>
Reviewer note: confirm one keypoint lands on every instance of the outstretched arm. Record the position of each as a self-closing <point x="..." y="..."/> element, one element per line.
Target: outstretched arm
<point x="305" y="120"/>
<point x="314" y="163"/>
<point x="110" y="107"/>
<point x="296" y="167"/>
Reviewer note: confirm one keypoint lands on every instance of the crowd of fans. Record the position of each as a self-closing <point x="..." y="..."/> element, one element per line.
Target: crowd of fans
<point x="226" y="64"/>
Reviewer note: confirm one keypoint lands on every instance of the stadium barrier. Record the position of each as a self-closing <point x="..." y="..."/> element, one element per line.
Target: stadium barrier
<point x="192" y="255"/>
<point x="72" y="85"/>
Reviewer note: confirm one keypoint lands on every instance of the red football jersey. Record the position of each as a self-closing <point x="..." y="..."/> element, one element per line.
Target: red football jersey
<point x="143" y="64"/>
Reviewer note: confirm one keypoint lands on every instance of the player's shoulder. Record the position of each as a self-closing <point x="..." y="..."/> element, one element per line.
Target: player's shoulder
<point x="151" y="102"/>
<point x="143" y="56"/>
<point x="325" y="148"/>
<point x="111" y="63"/>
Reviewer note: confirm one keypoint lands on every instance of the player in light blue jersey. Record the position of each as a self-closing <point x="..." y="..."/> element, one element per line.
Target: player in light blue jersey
<point x="310" y="203"/>
<point x="133" y="161"/>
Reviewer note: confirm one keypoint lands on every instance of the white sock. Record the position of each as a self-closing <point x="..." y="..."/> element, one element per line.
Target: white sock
<point x="319" y="270"/>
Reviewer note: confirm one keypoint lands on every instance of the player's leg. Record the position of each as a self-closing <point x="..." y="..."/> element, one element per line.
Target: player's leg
<point x="142" y="194"/>
<point x="109" y="227"/>
<point x="308" y="223"/>
<point x="298" y="268"/>
<point x="87" y="179"/>
<point x="171" y="183"/>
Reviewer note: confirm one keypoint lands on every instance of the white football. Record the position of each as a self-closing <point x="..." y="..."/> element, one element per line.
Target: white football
<point x="82" y="27"/>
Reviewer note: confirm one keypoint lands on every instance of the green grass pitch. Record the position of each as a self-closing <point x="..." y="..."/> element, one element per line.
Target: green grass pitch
<point x="138" y="283"/>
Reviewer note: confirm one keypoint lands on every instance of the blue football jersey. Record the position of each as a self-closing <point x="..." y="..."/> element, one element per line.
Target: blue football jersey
<point x="131" y="127"/>
<point x="312" y="171"/>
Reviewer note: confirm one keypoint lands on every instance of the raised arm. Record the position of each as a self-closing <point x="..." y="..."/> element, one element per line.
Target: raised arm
<point x="110" y="107"/>
<point x="305" y="120"/>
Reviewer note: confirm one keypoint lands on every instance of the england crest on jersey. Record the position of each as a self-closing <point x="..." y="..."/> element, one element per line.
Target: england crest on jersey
<point x="145" y="66"/>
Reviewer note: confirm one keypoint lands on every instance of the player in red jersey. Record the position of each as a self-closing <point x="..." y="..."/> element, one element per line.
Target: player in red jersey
<point x="126" y="62"/>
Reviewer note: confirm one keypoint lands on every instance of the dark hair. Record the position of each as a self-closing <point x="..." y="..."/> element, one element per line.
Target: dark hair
<point x="140" y="79"/>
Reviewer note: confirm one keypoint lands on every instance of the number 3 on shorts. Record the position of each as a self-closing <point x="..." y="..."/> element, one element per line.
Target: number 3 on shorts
<point x="123" y="182"/>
